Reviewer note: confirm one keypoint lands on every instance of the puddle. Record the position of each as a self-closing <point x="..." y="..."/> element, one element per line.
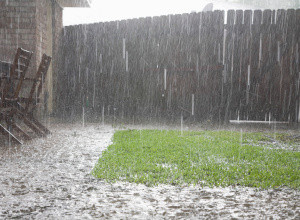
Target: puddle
<point x="50" y="178"/>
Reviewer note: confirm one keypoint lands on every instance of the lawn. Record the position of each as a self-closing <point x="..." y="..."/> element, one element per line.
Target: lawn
<point x="207" y="158"/>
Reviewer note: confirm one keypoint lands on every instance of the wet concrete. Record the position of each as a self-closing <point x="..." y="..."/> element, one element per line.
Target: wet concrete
<point x="50" y="178"/>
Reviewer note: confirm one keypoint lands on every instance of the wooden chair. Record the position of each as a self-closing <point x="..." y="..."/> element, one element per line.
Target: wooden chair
<point x="14" y="107"/>
<point x="26" y="105"/>
<point x="10" y="86"/>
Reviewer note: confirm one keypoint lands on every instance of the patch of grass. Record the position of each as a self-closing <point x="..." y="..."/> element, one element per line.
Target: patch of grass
<point x="208" y="158"/>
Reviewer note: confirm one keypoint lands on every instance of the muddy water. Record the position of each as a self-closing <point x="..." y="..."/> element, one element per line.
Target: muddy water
<point x="50" y="178"/>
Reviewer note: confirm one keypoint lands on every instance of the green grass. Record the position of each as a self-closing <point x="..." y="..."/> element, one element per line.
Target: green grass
<point x="208" y="158"/>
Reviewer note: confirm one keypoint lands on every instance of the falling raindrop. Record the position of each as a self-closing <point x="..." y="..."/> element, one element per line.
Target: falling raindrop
<point x="79" y="70"/>
<point x="224" y="45"/>
<point x="297" y="53"/>
<point x="41" y="44"/>
<point x="181" y="124"/>
<point x="193" y="104"/>
<point x="266" y="117"/>
<point x="48" y="122"/>
<point x="241" y="136"/>
<point x="103" y="115"/>
<point x="115" y="115"/>
<point x="112" y="67"/>
<point x="36" y="94"/>
<point x="124" y="48"/>
<point x="219" y="53"/>
<point x="197" y="66"/>
<point x="299" y="113"/>
<point x="9" y="136"/>
<point x="260" y="50"/>
<point x="278" y="51"/>
<point x="165" y="79"/>
<point x="18" y="27"/>
<point x="83" y="117"/>
<point x="94" y="90"/>
<point x="126" y="61"/>
<point x="225" y="73"/>
<point x="248" y="86"/>
<point x="101" y="64"/>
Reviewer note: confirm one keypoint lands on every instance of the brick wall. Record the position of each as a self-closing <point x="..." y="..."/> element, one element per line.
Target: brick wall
<point x="34" y="25"/>
<point x="42" y="39"/>
<point x="17" y="27"/>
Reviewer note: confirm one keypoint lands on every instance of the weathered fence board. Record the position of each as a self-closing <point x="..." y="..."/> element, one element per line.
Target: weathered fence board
<point x="191" y="64"/>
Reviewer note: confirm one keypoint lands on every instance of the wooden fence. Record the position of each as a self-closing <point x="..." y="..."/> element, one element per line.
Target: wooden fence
<point x="213" y="65"/>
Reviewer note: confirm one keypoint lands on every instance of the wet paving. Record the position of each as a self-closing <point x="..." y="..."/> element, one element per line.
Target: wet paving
<point x="50" y="178"/>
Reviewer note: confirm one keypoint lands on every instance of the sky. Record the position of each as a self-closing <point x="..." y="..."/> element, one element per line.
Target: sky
<point x="111" y="10"/>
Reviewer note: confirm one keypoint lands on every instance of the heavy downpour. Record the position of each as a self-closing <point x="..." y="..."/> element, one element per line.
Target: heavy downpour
<point x="153" y="110"/>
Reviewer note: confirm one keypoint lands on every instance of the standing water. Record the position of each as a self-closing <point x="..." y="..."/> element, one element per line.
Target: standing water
<point x="50" y="178"/>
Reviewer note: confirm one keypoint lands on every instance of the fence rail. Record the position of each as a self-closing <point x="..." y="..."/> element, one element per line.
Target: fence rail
<point x="200" y="65"/>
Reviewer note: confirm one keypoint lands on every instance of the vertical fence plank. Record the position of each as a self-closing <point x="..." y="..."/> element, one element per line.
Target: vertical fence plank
<point x="245" y="64"/>
<point x="291" y="65"/>
<point x="228" y="64"/>
<point x="236" y="64"/>
<point x="254" y="66"/>
<point x="264" y="68"/>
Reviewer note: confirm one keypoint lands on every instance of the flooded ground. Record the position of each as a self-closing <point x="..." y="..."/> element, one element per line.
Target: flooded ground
<point x="50" y="178"/>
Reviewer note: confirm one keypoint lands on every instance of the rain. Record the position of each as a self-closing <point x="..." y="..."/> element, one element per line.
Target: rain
<point x="225" y="67"/>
